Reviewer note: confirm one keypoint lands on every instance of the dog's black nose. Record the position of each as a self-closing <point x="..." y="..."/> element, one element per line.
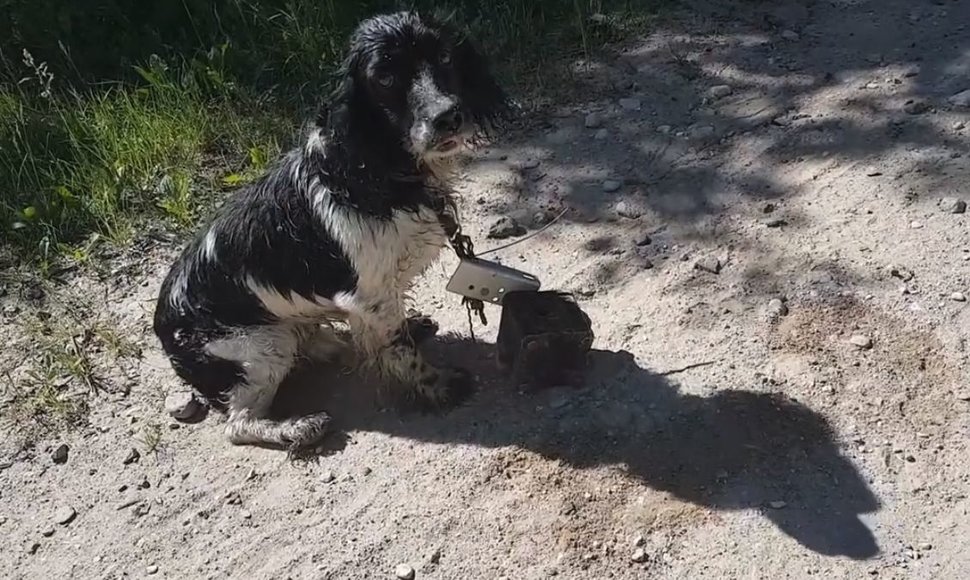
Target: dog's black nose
<point x="449" y="121"/>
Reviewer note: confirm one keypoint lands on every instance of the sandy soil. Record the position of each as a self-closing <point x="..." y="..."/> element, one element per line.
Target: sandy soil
<point x="821" y="429"/>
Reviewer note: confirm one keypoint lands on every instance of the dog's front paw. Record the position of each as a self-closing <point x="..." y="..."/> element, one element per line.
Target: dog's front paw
<point x="308" y="431"/>
<point x="421" y="328"/>
<point x="446" y="389"/>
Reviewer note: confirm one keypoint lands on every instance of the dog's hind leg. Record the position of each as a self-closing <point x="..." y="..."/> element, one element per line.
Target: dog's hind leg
<point x="387" y="344"/>
<point x="267" y="354"/>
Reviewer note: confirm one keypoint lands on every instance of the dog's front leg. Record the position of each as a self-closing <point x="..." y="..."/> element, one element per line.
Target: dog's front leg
<point x="384" y="336"/>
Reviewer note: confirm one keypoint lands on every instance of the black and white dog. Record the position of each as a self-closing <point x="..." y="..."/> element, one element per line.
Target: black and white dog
<point x="337" y="231"/>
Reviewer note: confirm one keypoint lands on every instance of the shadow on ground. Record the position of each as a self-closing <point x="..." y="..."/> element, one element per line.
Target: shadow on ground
<point x="809" y="84"/>
<point x="736" y="449"/>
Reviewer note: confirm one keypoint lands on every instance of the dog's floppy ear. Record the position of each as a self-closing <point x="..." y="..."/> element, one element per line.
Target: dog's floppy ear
<point x="488" y="104"/>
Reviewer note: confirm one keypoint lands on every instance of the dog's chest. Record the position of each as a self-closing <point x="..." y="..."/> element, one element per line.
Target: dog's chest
<point x="396" y="251"/>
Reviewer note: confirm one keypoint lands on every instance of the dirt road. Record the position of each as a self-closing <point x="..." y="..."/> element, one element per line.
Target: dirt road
<point x="752" y="189"/>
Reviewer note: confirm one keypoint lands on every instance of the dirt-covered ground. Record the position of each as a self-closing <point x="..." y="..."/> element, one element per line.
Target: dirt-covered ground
<point x="764" y="225"/>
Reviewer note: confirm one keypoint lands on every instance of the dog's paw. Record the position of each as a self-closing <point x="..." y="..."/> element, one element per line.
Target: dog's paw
<point x="448" y="389"/>
<point x="308" y="431"/>
<point x="421" y="328"/>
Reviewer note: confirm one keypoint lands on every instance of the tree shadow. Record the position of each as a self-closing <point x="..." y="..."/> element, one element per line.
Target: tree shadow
<point x="734" y="450"/>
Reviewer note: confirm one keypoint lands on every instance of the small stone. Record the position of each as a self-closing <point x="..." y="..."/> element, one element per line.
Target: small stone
<point x="916" y="107"/>
<point x="902" y="273"/>
<point x="612" y="185"/>
<point x="664" y="129"/>
<point x="719" y="91"/>
<point x="601" y="134"/>
<point x="639" y="556"/>
<point x="630" y="104"/>
<point x="246" y="514"/>
<point x="644" y="240"/>
<point x="776" y="307"/>
<point x="628" y="210"/>
<point x="964" y="396"/>
<point x="404" y="572"/>
<point x="775" y="222"/>
<point x="861" y="341"/>
<point x="958" y="297"/>
<point x="777" y="505"/>
<point x="961" y="99"/>
<point x="151" y="570"/>
<point x="916" y="225"/>
<point x="700" y="132"/>
<point x="367" y="471"/>
<point x="769" y="208"/>
<point x="328" y="477"/>
<point x="530" y="163"/>
<point x="639" y="541"/>
<point x="790" y="35"/>
<point x="47" y="532"/>
<point x="910" y="458"/>
<point x="182" y="405"/>
<point x="708" y="264"/>
<point x="64" y="515"/>
<point x="133" y="457"/>
<point x="593" y="120"/>
<point x="953" y="205"/>
<point x="505" y="227"/>
<point x="959" y="126"/>
<point x="925" y="546"/>
<point x="59" y="456"/>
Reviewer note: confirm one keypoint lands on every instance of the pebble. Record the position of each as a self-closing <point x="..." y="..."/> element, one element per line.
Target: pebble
<point x="639" y="541"/>
<point x="861" y="341"/>
<point x="958" y="297"/>
<point x="959" y="126"/>
<point x="612" y="185"/>
<point x="151" y="570"/>
<point x="133" y="457"/>
<point x="708" y="264"/>
<point x="182" y="405"/>
<point x="404" y="572"/>
<point x="639" y="556"/>
<point x="59" y="456"/>
<point x="916" y="107"/>
<point x="961" y="99"/>
<point x="593" y="120"/>
<point x="953" y="205"/>
<point x="630" y="104"/>
<point x="775" y="222"/>
<point x="328" y="477"/>
<point x="916" y="225"/>
<point x="964" y="396"/>
<point x="64" y="515"/>
<point x="790" y="35"/>
<point x="664" y="129"/>
<point x="628" y="210"/>
<point x="505" y="227"/>
<point x="701" y="132"/>
<point x="776" y="307"/>
<point x="719" y="91"/>
<point x="777" y="505"/>
<point x="601" y="134"/>
<point x="47" y="532"/>
<point x="901" y="273"/>
<point x="644" y="240"/>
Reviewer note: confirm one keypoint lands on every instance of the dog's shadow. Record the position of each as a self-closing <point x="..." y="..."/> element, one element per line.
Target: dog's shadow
<point x="736" y="449"/>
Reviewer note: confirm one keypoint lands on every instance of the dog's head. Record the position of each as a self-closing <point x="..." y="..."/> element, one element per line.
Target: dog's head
<point x="418" y="81"/>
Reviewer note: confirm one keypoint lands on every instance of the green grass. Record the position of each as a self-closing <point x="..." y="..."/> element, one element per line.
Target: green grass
<point x="121" y="115"/>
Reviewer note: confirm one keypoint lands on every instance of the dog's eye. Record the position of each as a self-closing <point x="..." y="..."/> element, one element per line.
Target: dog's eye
<point x="445" y="58"/>
<point x="386" y="80"/>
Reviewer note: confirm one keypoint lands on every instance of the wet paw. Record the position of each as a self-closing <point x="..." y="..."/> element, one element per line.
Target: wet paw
<point x="444" y="390"/>
<point x="308" y="431"/>
<point x="421" y="328"/>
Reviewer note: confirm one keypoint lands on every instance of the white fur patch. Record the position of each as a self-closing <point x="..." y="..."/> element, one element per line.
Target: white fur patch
<point x="292" y="306"/>
<point x="208" y="249"/>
